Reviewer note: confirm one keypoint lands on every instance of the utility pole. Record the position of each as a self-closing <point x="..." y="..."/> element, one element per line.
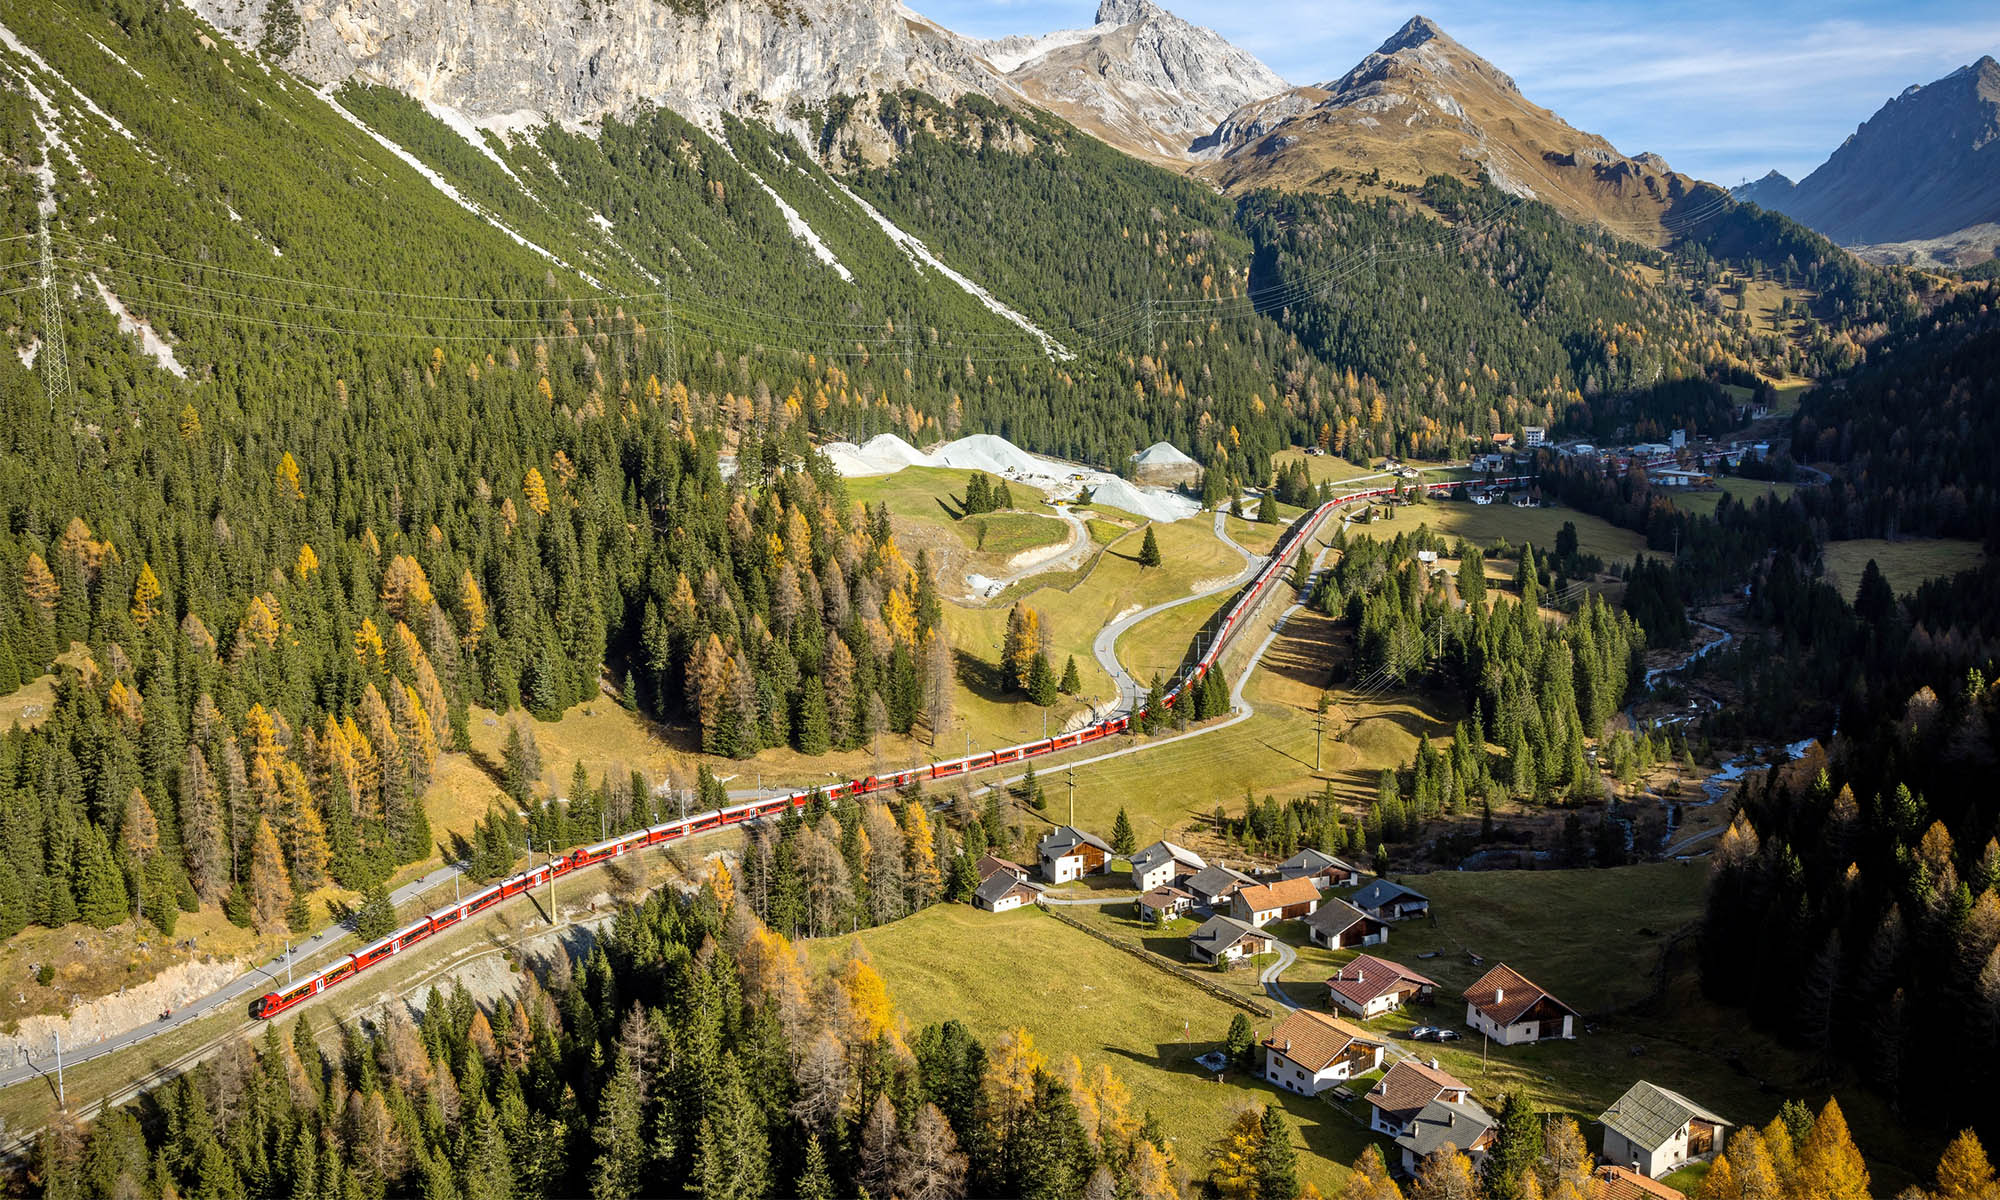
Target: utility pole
<point x="1072" y="797"/>
<point x="54" y="358"/>
<point x="62" y="1101"/>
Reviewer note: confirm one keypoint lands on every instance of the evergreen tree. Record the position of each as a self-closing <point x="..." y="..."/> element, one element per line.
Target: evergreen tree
<point x="1071" y="682"/>
<point x="1042" y="682"/>
<point x="100" y="887"/>
<point x="1241" y="1041"/>
<point x="1277" y="1163"/>
<point x="1149" y="550"/>
<point x="1123" y="841"/>
<point x="1517" y="1147"/>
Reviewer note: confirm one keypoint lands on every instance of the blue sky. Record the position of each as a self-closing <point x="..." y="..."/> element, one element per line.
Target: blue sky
<point x="1721" y="90"/>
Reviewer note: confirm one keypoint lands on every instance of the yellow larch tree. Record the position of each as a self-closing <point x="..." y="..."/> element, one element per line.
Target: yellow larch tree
<point x="1964" y="1172"/>
<point x="1830" y="1165"/>
<point x="920" y="865"/>
<point x="39" y="584"/>
<point x="145" y="596"/>
<point x="270" y="887"/>
<point x="125" y="702"/>
<point x="306" y="563"/>
<point x="368" y="646"/>
<point x="1232" y="1161"/>
<point x="289" y="486"/>
<point x="472" y="607"/>
<point x="535" y="490"/>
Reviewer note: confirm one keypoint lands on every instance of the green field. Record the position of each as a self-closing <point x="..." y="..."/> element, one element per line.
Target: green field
<point x="1190" y="555"/>
<point x="1078" y="996"/>
<point x="1483" y="524"/>
<point x="1005" y="534"/>
<point x="1703" y="502"/>
<point x="1905" y="564"/>
<point x="1596" y="939"/>
<point x="925" y="493"/>
<point x="1319" y="467"/>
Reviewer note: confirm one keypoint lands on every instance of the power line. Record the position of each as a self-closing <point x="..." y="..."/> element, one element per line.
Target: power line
<point x="54" y="356"/>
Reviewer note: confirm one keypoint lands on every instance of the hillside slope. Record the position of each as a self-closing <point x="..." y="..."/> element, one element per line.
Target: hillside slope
<point x="1424" y="105"/>
<point x="1925" y="166"/>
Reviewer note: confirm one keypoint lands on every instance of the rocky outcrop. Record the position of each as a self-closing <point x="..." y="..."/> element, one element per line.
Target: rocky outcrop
<point x="1925" y="166"/>
<point x="1140" y="78"/>
<point x="515" y="62"/>
<point x="1422" y="104"/>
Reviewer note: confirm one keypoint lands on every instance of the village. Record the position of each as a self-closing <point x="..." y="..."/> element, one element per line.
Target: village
<point x="1336" y="1044"/>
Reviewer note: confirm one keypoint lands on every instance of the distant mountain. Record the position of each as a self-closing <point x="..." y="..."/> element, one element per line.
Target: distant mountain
<point x="1141" y="78"/>
<point x="1925" y="166"/>
<point x="1422" y="104"/>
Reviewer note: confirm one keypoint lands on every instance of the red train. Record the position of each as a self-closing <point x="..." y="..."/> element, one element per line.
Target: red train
<point x="273" y="1003"/>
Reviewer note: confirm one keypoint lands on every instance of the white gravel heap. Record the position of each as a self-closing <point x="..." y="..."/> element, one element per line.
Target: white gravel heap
<point x="885" y="454"/>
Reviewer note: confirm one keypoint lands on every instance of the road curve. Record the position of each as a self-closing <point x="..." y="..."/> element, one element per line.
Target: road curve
<point x="1105" y="645"/>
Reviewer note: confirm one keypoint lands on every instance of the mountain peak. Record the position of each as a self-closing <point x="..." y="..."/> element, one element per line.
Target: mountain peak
<point x="1415" y="32"/>
<point x="1127" y="12"/>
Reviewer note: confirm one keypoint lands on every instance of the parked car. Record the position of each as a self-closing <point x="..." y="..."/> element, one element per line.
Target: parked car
<point x="1424" y="1033"/>
<point x="1448" y="1035"/>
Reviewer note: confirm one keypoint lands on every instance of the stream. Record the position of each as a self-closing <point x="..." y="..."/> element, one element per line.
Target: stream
<point x="1717" y="786"/>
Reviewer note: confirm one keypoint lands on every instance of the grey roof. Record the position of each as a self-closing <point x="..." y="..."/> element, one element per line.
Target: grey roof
<point x="1382" y="892"/>
<point x="1214" y="879"/>
<point x="1220" y="933"/>
<point x="1066" y="839"/>
<point x="999" y="883"/>
<point x="1649" y="1115"/>
<point x="1311" y="862"/>
<point x="1162" y="852"/>
<point x="1333" y="915"/>
<point x="1458" y="1122"/>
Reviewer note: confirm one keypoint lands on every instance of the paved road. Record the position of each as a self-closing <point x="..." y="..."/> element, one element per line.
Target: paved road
<point x="1072" y="555"/>
<point x="1105" y="646"/>
<point x="1269" y="977"/>
<point x="310" y="954"/>
<point x="314" y="953"/>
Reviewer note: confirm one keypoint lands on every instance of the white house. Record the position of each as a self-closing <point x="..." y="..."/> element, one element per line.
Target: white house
<point x="1309" y="1052"/>
<point x="1339" y="925"/>
<point x="1162" y="863"/>
<point x="1405" y="1089"/>
<point x="1212" y="887"/>
<point x="1165" y="901"/>
<point x="1262" y="903"/>
<point x="1655" y="1131"/>
<point x="1323" y="869"/>
<point x="1532" y="435"/>
<point x="1003" y="890"/>
<point x="1225" y="939"/>
<point x="1505" y="1006"/>
<point x="1070" y="853"/>
<point x="1369" y="986"/>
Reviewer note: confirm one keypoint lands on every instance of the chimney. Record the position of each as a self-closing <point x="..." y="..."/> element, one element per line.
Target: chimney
<point x="1434" y="1064"/>
<point x="1450" y="1118"/>
<point x="1499" y="994"/>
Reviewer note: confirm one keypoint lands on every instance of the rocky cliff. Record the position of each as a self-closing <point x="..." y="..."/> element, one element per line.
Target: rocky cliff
<point x="1925" y="166"/>
<point x="515" y="62"/>
<point x="1140" y="78"/>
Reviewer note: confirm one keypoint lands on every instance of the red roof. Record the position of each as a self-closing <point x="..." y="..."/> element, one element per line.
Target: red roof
<point x="1503" y="994"/>
<point x="1367" y="977"/>
<point x="1409" y="1085"/>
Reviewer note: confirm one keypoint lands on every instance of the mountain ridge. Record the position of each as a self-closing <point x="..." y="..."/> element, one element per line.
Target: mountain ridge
<point x="1924" y="166"/>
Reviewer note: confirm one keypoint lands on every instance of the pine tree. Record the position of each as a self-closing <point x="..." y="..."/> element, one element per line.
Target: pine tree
<point x="1041" y="682"/>
<point x="815" y="734"/>
<point x="1516" y="1148"/>
<point x="619" y="1136"/>
<point x="1277" y="1163"/>
<point x="100" y="888"/>
<point x="1123" y="841"/>
<point x="1149" y="550"/>
<point x="1241" y="1041"/>
<point x="1071" y="682"/>
<point x="815" y="1179"/>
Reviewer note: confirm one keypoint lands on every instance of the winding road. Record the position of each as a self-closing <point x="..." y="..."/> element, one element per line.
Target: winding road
<point x="1105" y="646"/>
<point x="263" y="976"/>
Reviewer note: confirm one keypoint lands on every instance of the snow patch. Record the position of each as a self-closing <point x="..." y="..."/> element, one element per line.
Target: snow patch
<point x="1010" y="54"/>
<point x="15" y="44"/>
<point x="119" y="57"/>
<point x="801" y="230"/>
<point x="922" y="254"/>
<point x="462" y="125"/>
<point x="150" y="341"/>
<point x="437" y="181"/>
